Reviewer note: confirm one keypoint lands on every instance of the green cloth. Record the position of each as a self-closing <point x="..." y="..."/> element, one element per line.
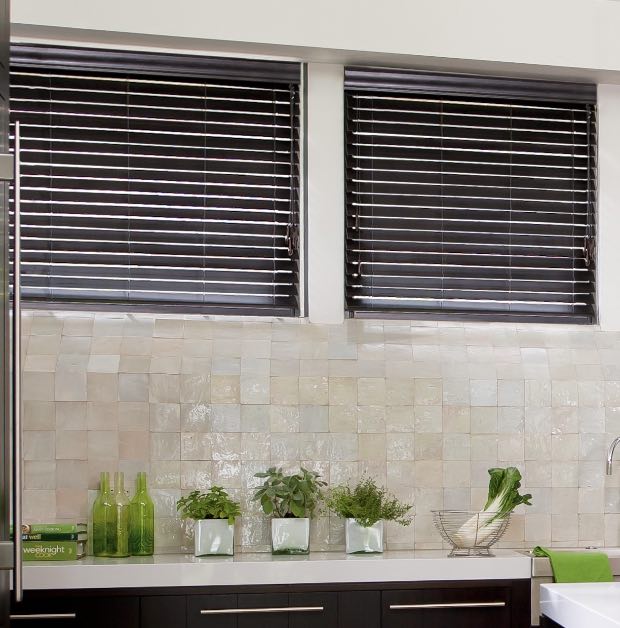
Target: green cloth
<point x="577" y="566"/>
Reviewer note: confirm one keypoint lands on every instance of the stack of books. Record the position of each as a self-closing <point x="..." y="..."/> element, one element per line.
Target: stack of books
<point x="54" y="541"/>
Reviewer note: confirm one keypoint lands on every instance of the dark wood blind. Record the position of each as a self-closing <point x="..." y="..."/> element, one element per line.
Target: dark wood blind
<point x="153" y="179"/>
<point x="466" y="201"/>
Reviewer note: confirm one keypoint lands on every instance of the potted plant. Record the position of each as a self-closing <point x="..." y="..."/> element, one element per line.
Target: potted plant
<point x="365" y="508"/>
<point x="291" y="500"/>
<point x="214" y="513"/>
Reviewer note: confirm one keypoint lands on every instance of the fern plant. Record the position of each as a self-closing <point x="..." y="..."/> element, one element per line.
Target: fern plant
<point x="214" y="504"/>
<point x="368" y="503"/>
<point x="289" y="495"/>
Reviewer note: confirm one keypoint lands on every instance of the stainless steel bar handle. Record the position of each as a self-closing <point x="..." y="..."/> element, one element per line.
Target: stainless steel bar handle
<point x="18" y="584"/>
<point x="409" y="607"/>
<point x="278" y="609"/>
<point x="44" y="616"/>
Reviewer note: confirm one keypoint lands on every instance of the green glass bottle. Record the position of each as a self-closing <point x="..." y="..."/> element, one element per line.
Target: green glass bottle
<point x="118" y="532"/>
<point x="103" y="516"/>
<point x="141" y="520"/>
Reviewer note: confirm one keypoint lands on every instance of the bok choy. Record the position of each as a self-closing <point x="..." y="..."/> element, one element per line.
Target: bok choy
<point x="502" y="499"/>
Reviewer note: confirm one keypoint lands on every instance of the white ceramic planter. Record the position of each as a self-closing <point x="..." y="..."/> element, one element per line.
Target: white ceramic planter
<point x="214" y="537"/>
<point x="360" y="540"/>
<point x="290" y="536"/>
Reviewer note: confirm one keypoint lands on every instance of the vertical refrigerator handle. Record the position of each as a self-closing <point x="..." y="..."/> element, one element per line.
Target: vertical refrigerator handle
<point x="18" y="586"/>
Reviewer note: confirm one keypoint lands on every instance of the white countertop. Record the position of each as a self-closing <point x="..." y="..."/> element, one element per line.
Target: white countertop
<point x="595" y="604"/>
<point x="178" y="570"/>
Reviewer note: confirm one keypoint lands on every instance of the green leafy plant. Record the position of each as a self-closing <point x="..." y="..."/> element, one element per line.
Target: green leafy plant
<point x="214" y="504"/>
<point x="368" y="503"/>
<point x="289" y="495"/>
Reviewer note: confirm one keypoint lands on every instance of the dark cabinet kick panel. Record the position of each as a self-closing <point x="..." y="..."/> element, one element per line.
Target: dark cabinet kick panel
<point x="502" y="604"/>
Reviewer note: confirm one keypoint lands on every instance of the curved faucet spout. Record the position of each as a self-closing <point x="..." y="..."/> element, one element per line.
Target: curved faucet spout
<point x="610" y="454"/>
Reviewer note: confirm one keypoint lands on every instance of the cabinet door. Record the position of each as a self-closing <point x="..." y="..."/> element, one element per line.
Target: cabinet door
<point x="196" y="604"/>
<point x="359" y="608"/>
<point x="486" y="607"/>
<point x="326" y="617"/>
<point x="162" y="611"/>
<point x="263" y="610"/>
<point x="68" y="611"/>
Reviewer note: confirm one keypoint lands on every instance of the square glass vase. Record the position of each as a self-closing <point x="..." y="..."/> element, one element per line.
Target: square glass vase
<point x="214" y="537"/>
<point x="290" y="535"/>
<point x="361" y="540"/>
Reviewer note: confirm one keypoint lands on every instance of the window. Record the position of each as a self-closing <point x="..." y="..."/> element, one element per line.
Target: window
<point x="152" y="180"/>
<point x="469" y="197"/>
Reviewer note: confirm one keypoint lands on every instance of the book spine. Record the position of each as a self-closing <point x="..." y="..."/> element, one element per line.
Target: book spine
<point x="43" y="536"/>
<point x="52" y="550"/>
<point x="53" y="528"/>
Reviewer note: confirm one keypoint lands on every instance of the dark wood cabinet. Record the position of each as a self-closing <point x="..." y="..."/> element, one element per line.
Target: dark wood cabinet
<point x="162" y="611"/>
<point x="76" y="611"/>
<point x="461" y="607"/>
<point x="503" y="604"/>
<point x="263" y="610"/>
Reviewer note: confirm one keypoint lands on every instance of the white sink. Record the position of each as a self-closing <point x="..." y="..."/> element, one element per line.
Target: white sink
<point x="591" y="605"/>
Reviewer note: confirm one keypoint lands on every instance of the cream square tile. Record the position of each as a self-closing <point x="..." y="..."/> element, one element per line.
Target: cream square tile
<point x="165" y="417"/>
<point x="196" y="417"/>
<point x="195" y="388"/>
<point x="399" y="391"/>
<point x="164" y="388"/>
<point x="39" y="506"/>
<point x="284" y="390"/>
<point x="168" y="328"/>
<point x="400" y="446"/>
<point x="483" y="392"/>
<point x="133" y="416"/>
<point x="39" y="415"/>
<point x="165" y="446"/>
<point x="38" y="386"/>
<point x="510" y="448"/>
<point x="456" y="392"/>
<point x="399" y="419"/>
<point x="40" y="364"/>
<point x="106" y="345"/>
<point x="313" y="390"/>
<point x="511" y="420"/>
<point x="456" y="419"/>
<point x="71" y="503"/>
<point x="102" y="386"/>
<point x="255" y="446"/>
<point x="484" y="447"/>
<point x="510" y="392"/>
<point x="343" y="419"/>
<point x="227" y="473"/>
<point x="104" y="363"/>
<point x="71" y="474"/>
<point x="456" y="446"/>
<point x="78" y="326"/>
<point x="483" y="419"/>
<point x="196" y="475"/>
<point x="40" y="474"/>
<point x="371" y="391"/>
<point x="134" y="445"/>
<point x="168" y="364"/>
<point x="372" y="447"/>
<point x="72" y="445"/>
<point x="255" y="388"/>
<point x="313" y="419"/>
<point x="565" y="447"/>
<point x="102" y="415"/>
<point x="226" y="417"/>
<point x="134" y="364"/>
<point x="166" y="474"/>
<point x="195" y="446"/>
<point x="564" y="393"/>
<point x="428" y="392"/>
<point x="344" y="447"/>
<point x="102" y="444"/>
<point x="428" y="474"/>
<point x="39" y="445"/>
<point x="427" y="418"/>
<point x="44" y="345"/>
<point x="284" y="418"/>
<point x="133" y="387"/>
<point x="226" y="447"/>
<point x="255" y="418"/>
<point x="342" y="391"/>
<point x="564" y="475"/>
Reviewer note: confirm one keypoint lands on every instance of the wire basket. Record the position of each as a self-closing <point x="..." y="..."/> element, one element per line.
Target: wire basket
<point x="470" y="533"/>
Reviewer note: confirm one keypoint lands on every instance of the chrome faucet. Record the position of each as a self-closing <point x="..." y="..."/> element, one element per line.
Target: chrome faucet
<point x="610" y="454"/>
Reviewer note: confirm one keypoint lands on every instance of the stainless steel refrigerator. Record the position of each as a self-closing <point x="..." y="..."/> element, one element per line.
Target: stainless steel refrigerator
<point x="8" y="478"/>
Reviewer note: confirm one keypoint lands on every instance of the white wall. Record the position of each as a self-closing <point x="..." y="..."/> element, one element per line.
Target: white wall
<point x="570" y="33"/>
<point x="608" y="227"/>
<point x="557" y="38"/>
<point x="325" y="210"/>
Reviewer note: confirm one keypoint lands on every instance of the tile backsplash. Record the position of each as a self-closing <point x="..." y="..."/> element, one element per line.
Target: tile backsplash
<point x="427" y="408"/>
